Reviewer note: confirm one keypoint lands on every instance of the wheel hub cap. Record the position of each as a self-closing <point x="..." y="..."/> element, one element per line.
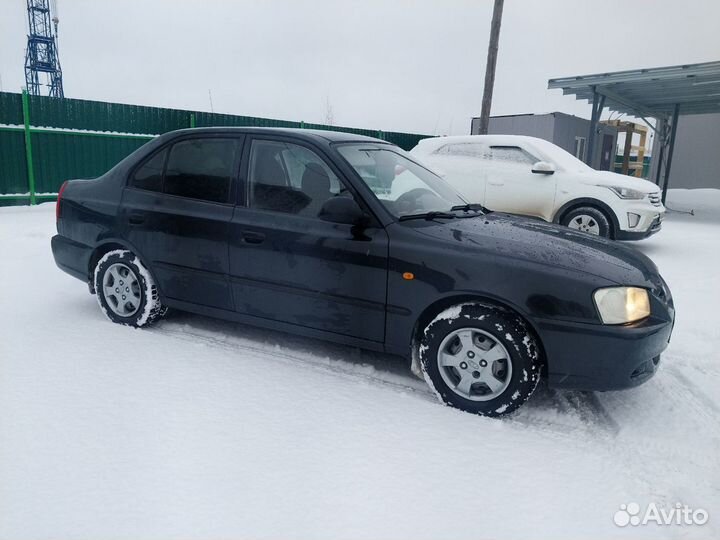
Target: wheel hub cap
<point x="474" y="364"/>
<point x="585" y="223"/>
<point x="121" y="290"/>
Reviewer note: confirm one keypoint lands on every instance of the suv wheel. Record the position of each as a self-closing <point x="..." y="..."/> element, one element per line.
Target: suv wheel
<point x="588" y="219"/>
<point x="480" y="359"/>
<point x="126" y="291"/>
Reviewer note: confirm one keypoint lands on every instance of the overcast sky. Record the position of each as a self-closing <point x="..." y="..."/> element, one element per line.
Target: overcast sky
<point x="394" y="65"/>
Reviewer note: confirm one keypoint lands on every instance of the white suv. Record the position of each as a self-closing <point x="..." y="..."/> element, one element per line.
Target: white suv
<point x="531" y="176"/>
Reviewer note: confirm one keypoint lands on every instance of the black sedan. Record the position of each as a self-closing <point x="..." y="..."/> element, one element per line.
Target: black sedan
<point x="347" y="238"/>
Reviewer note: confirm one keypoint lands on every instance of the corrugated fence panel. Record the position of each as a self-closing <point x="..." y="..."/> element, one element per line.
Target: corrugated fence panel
<point x="13" y="167"/>
<point x="60" y="156"/>
<point x="10" y="108"/>
<point x="101" y="116"/>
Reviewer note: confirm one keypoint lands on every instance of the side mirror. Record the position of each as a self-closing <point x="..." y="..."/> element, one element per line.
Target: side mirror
<point x="543" y="167"/>
<point x="342" y="210"/>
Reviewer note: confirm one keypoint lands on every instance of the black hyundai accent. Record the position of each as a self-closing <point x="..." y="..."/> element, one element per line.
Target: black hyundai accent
<point x="347" y="238"/>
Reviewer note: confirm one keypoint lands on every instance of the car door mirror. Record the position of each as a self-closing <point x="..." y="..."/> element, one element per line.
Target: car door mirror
<point x="342" y="210"/>
<point x="543" y="167"/>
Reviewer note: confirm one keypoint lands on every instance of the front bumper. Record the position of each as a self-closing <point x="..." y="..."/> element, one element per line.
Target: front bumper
<point x="654" y="227"/>
<point x="599" y="357"/>
<point x="638" y="219"/>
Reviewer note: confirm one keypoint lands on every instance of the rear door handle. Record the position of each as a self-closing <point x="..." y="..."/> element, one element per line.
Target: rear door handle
<point x="136" y="219"/>
<point x="497" y="183"/>
<point x="252" y="237"/>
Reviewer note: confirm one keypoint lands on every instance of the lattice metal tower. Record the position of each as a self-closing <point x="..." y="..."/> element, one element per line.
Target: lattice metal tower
<point x="42" y="64"/>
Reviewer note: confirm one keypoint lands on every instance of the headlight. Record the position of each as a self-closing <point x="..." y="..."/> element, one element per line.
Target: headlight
<point x="619" y="305"/>
<point x="627" y="193"/>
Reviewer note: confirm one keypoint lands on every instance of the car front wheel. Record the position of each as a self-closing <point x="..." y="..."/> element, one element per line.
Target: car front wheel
<point x="588" y="219"/>
<point x="480" y="359"/>
<point x="126" y="291"/>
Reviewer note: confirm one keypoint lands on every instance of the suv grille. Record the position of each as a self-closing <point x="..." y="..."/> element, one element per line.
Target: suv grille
<point x="655" y="198"/>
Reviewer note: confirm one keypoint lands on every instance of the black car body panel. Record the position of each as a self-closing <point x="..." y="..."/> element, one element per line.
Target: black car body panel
<point x="331" y="281"/>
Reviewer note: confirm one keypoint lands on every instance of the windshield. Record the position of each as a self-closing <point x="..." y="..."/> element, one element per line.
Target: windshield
<point x="402" y="185"/>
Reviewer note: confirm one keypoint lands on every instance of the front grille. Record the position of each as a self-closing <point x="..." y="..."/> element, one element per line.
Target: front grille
<point x="655" y="198"/>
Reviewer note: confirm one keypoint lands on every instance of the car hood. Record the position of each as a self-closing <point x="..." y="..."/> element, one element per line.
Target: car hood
<point x="529" y="239"/>
<point x="607" y="178"/>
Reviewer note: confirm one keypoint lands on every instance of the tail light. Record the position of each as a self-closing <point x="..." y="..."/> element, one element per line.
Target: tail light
<point x="59" y="199"/>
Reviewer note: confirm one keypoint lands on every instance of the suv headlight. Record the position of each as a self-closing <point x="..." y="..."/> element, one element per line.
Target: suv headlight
<point x="627" y="193"/>
<point x="620" y="305"/>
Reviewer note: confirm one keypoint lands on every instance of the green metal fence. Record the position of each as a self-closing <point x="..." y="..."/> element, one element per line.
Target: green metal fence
<point x="45" y="141"/>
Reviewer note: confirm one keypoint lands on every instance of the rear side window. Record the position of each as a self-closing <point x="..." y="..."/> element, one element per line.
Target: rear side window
<point x="149" y="176"/>
<point x="201" y="169"/>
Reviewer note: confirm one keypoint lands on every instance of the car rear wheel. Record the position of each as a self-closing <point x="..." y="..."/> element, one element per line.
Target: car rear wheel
<point x="588" y="219"/>
<point x="126" y="291"/>
<point x="480" y="359"/>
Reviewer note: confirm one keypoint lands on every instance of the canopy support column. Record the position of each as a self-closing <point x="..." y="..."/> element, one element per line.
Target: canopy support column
<point x="598" y="104"/>
<point x="671" y="147"/>
<point x="661" y="133"/>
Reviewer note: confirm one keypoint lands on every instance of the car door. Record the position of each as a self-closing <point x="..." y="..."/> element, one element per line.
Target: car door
<point x="176" y="212"/>
<point x="288" y="265"/>
<point x="513" y="187"/>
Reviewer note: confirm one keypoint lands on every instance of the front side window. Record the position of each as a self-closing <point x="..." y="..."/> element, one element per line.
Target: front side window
<point x="402" y="185"/>
<point x="511" y="154"/>
<point x="201" y="169"/>
<point x="149" y="175"/>
<point x="290" y="178"/>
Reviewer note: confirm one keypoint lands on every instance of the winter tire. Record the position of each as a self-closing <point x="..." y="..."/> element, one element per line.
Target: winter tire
<point x="126" y="291"/>
<point x="480" y="359"/>
<point x="588" y="219"/>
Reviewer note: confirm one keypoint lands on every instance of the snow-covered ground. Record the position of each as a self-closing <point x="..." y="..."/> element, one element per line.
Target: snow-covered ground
<point x="202" y="429"/>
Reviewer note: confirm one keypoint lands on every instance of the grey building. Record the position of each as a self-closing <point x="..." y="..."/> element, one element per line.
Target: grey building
<point x="696" y="159"/>
<point x="565" y="130"/>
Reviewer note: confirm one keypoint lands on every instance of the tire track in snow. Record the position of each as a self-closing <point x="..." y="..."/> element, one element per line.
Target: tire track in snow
<point x="333" y="366"/>
<point x="564" y="413"/>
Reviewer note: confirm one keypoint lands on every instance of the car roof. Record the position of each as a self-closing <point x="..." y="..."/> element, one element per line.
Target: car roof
<point x="499" y="140"/>
<point x="315" y="135"/>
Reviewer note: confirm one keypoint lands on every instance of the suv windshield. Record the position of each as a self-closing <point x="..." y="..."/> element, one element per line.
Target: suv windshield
<point x="403" y="186"/>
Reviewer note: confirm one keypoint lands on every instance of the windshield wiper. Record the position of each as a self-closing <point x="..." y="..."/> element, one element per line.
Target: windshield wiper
<point x="470" y="207"/>
<point x="428" y="216"/>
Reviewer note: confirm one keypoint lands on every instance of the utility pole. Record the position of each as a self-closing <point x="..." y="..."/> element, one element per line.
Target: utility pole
<point x="490" y="67"/>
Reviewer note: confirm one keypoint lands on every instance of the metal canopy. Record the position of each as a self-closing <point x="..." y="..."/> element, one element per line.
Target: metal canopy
<point x="664" y="93"/>
<point x="651" y="92"/>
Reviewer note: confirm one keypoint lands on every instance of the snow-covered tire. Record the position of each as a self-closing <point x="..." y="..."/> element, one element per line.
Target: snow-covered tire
<point x="126" y="291"/>
<point x="588" y="219"/>
<point x="463" y="342"/>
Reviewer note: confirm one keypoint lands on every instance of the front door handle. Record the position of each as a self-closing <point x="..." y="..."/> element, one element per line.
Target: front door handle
<point x="252" y="237"/>
<point x="136" y="219"/>
<point x="496" y="183"/>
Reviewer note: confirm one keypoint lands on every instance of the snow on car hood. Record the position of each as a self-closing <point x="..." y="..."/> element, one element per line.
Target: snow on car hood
<point x="505" y="235"/>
